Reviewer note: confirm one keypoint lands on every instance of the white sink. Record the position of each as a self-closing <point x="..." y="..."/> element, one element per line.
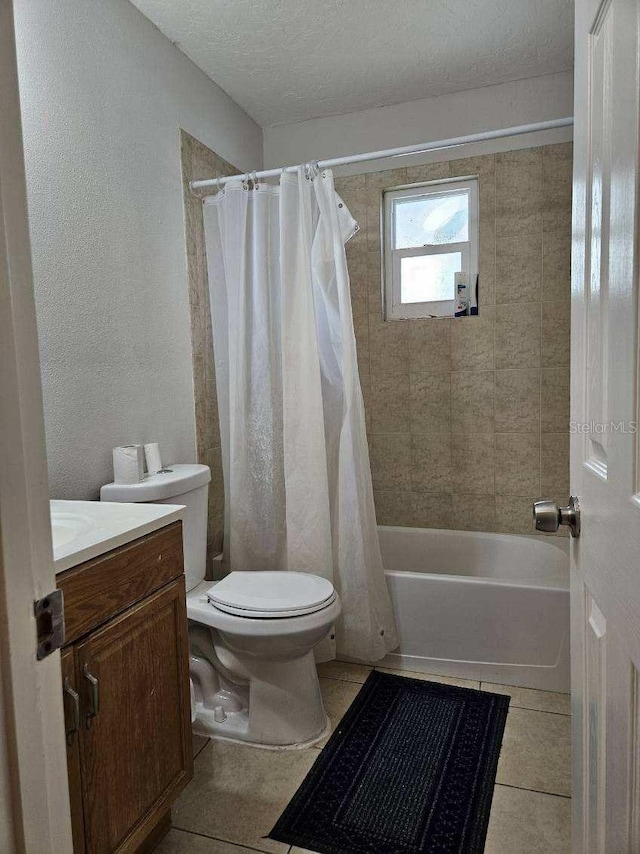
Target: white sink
<point x="67" y="526"/>
<point x="82" y="530"/>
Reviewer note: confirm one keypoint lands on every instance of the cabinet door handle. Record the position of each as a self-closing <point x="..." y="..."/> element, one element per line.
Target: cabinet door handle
<point x="72" y="698"/>
<point x="94" y="694"/>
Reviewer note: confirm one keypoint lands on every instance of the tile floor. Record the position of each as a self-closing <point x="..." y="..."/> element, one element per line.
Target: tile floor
<point x="238" y="792"/>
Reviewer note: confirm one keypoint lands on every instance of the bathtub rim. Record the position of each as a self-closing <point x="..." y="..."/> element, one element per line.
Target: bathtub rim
<point x="560" y="544"/>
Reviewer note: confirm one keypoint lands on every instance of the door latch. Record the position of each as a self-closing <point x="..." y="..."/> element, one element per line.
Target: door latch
<point x="548" y="517"/>
<point x="49" y="613"/>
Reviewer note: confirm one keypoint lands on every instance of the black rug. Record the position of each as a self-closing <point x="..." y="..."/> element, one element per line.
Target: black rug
<point x="410" y="769"/>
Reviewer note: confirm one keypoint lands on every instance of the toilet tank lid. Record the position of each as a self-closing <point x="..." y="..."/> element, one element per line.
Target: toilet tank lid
<point x="175" y="480"/>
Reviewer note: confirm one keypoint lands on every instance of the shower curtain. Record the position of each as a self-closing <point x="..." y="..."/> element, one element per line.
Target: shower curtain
<point x="295" y="459"/>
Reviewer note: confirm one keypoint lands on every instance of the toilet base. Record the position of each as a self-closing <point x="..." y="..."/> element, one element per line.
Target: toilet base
<point x="237" y="731"/>
<point x="272" y="704"/>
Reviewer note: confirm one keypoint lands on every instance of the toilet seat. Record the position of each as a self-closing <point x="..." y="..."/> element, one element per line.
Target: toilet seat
<point x="270" y="595"/>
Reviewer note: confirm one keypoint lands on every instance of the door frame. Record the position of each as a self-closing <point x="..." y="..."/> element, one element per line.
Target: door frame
<point x="34" y="809"/>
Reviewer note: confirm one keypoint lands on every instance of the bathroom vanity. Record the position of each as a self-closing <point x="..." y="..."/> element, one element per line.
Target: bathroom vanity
<point x="125" y="672"/>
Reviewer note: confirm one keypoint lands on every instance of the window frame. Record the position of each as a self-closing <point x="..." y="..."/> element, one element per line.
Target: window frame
<point x="393" y="307"/>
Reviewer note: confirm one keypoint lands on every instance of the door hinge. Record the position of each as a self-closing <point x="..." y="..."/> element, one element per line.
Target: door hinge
<point x="49" y="613"/>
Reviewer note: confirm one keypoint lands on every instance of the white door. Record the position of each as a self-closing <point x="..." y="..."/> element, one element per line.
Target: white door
<point x="605" y="449"/>
<point x="34" y="798"/>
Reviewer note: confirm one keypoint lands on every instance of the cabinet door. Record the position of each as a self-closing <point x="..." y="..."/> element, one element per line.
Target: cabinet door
<point x="73" y="721"/>
<point x="136" y="738"/>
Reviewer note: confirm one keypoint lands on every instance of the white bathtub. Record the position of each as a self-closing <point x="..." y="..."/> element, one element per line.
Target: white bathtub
<point x="493" y="607"/>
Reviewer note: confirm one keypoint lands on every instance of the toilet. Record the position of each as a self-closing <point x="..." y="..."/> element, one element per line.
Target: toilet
<point x="251" y="634"/>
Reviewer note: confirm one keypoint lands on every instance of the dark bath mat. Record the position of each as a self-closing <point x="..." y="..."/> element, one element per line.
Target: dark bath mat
<point x="410" y="769"/>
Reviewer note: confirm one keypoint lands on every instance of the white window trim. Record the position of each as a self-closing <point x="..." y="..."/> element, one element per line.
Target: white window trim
<point x="394" y="309"/>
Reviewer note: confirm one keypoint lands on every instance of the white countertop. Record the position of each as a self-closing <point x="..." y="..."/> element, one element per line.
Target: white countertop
<point x="83" y="530"/>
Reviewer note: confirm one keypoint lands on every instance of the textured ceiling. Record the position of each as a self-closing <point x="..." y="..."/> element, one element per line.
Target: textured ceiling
<point x="289" y="60"/>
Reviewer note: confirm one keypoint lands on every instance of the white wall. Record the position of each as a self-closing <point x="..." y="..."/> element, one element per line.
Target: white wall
<point x="505" y="105"/>
<point x="104" y="94"/>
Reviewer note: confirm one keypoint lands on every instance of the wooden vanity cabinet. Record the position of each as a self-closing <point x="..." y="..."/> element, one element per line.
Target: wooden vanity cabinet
<point x="125" y="677"/>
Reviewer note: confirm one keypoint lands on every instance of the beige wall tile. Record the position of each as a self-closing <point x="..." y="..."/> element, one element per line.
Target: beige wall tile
<point x="358" y="278"/>
<point x="374" y="282"/>
<point x="375" y="183"/>
<point x="352" y="190"/>
<point x="390" y="457"/>
<point x="556" y="334"/>
<point x="484" y="166"/>
<point x="431" y="510"/>
<point x="556" y="264"/>
<point x="519" y="268"/>
<point x="451" y="383"/>
<point x="429" y="344"/>
<point x="476" y="375"/>
<point x="215" y="530"/>
<point x="519" y="192"/>
<point x="554" y="400"/>
<point x="431" y="462"/>
<point x="474" y="512"/>
<point x="393" y="507"/>
<point x="472" y="463"/>
<point x="365" y="387"/>
<point x="390" y="403"/>
<point x="198" y="160"/>
<point x="361" y="330"/>
<point x="198" y="323"/>
<point x="472" y="402"/>
<point x="430" y="403"/>
<point x="517" y="463"/>
<point x="518" y="332"/>
<point x="472" y="341"/>
<point x="514" y="513"/>
<point x="487" y="264"/>
<point x="350" y="187"/>
<point x="389" y="346"/>
<point x="427" y="172"/>
<point x="557" y="169"/>
<point x="517" y="401"/>
<point x="554" y="464"/>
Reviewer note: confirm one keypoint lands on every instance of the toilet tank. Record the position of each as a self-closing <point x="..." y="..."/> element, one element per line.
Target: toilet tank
<point x="180" y="483"/>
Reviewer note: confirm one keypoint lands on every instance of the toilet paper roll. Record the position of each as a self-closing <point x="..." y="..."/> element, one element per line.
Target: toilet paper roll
<point x="128" y="464"/>
<point x="152" y="454"/>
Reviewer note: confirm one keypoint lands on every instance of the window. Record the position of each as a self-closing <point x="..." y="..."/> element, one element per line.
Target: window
<point x="430" y="234"/>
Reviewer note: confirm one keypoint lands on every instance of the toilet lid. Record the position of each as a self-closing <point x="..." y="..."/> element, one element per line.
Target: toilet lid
<point x="271" y="594"/>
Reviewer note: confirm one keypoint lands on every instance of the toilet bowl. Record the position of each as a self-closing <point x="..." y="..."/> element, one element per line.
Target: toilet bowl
<point x="251" y="635"/>
<point x="265" y="690"/>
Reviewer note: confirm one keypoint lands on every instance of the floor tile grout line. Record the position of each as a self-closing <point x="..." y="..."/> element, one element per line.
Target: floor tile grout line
<point x="339" y="679"/>
<point x="537" y="791"/>
<point x="480" y="688"/>
<point x="199" y="751"/>
<point x="529" y="709"/>
<point x="218" y="839"/>
<point x="524" y="688"/>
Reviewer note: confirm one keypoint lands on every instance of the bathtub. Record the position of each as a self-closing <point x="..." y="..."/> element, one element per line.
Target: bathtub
<point x="492" y="607"/>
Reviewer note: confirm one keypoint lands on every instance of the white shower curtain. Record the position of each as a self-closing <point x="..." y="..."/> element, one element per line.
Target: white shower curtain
<point x="296" y="465"/>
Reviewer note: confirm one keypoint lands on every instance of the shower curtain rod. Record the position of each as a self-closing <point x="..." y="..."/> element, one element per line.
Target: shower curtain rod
<point x="393" y="152"/>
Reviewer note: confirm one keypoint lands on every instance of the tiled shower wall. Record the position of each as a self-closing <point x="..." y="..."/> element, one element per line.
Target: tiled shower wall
<point x="458" y="410"/>
<point x="468" y="418"/>
<point x="198" y="161"/>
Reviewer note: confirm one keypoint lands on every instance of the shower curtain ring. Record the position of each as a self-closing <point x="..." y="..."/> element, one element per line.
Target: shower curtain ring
<point x="311" y="170"/>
